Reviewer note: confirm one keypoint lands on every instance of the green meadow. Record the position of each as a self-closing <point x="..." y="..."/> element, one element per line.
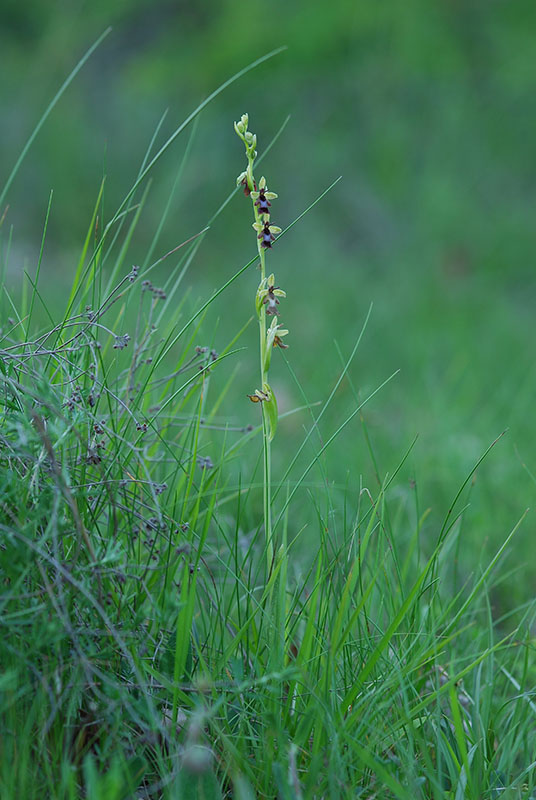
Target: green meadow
<point x="266" y="524"/>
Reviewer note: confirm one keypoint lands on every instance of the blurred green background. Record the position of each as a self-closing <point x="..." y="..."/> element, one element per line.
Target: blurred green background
<point x="428" y="112"/>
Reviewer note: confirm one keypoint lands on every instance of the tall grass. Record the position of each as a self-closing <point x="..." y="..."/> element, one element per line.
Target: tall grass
<point x="147" y="651"/>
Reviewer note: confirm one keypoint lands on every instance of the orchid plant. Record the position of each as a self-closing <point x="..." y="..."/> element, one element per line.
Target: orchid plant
<point x="266" y="305"/>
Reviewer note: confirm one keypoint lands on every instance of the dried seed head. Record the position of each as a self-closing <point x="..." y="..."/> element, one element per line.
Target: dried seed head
<point x="93" y="456"/>
<point x="121" y="342"/>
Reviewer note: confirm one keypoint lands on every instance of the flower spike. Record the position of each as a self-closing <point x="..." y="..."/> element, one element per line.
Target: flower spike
<point x="267" y="300"/>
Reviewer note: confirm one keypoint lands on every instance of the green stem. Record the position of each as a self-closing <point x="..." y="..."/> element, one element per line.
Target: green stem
<point x="267" y="483"/>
